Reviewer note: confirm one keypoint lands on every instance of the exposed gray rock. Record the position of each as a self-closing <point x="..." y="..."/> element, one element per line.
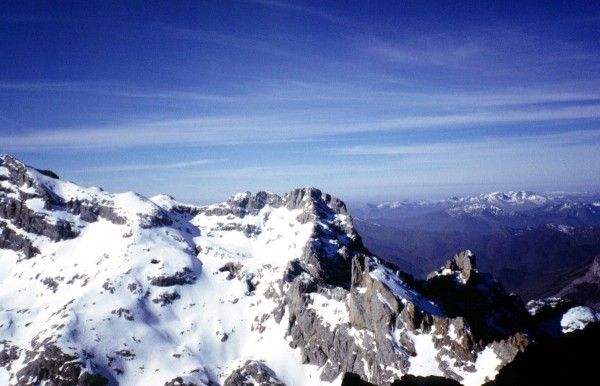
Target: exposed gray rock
<point x="463" y="263"/>
<point x="311" y="197"/>
<point x="91" y="379"/>
<point x="253" y="373"/>
<point x="165" y="298"/>
<point x="375" y="312"/>
<point x="507" y="349"/>
<point x="185" y="276"/>
<point x="28" y="220"/>
<point x="8" y="353"/>
<point x="48" y="363"/>
<point x="123" y="313"/>
<point x="11" y="240"/>
<point x="248" y="230"/>
<point x="491" y="312"/>
<point x="179" y="381"/>
<point x="241" y="205"/>
<point x="252" y="204"/>
<point x="92" y="211"/>
<point x="232" y="269"/>
<point x="196" y="377"/>
<point x="334" y="347"/>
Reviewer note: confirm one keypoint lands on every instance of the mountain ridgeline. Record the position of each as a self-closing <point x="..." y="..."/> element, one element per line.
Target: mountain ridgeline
<point x="534" y="244"/>
<point x="120" y="289"/>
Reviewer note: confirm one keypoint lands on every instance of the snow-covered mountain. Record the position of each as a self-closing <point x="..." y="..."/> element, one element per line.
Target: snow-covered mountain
<point x="99" y="288"/>
<point x="493" y="209"/>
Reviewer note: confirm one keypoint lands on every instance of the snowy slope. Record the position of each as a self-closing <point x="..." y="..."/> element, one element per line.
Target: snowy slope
<point x="104" y="288"/>
<point x="93" y="296"/>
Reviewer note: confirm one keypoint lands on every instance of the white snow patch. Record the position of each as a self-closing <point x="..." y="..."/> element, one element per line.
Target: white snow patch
<point x="36" y="204"/>
<point x="424" y="363"/>
<point x="577" y="318"/>
<point x="331" y="311"/>
<point x="4" y="376"/>
<point x="485" y="369"/>
<point x="452" y="332"/>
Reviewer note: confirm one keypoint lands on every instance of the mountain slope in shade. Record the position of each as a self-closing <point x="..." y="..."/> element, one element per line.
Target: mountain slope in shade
<point x="585" y="288"/>
<point x="530" y="242"/>
<point x="101" y="288"/>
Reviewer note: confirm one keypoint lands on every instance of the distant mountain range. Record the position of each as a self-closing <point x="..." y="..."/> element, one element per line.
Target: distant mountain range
<point x="488" y="212"/>
<point x="121" y="289"/>
<point x="532" y="242"/>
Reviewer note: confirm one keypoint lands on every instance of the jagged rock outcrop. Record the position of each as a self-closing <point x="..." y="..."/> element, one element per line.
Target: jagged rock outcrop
<point x="48" y="363"/>
<point x="159" y="292"/>
<point x="185" y="276"/>
<point x="28" y="204"/>
<point x="565" y="360"/>
<point x="462" y="290"/>
<point x="391" y="313"/>
<point x="17" y="186"/>
<point x="253" y="373"/>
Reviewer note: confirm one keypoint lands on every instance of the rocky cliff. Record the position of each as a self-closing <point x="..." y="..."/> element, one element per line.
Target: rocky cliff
<point x="103" y="288"/>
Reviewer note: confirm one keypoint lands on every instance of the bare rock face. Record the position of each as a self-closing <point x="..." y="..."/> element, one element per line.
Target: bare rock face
<point x="241" y="205"/>
<point x="253" y="373"/>
<point x="388" y="310"/>
<point x="179" y="381"/>
<point x="19" y="186"/>
<point x="462" y="290"/>
<point x="328" y="257"/>
<point x="92" y="211"/>
<point x="9" y="239"/>
<point x="343" y="309"/>
<point x="47" y="362"/>
<point x="185" y="276"/>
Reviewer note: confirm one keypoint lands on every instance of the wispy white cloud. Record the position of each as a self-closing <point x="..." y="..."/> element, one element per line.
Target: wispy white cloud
<point x="498" y="146"/>
<point x="146" y="167"/>
<point x="41" y="86"/>
<point x="424" y="52"/>
<point x="117" y="90"/>
<point x="546" y="162"/>
<point x="332" y="95"/>
<point x="225" y="130"/>
<point x="292" y="6"/>
<point x="495" y="55"/>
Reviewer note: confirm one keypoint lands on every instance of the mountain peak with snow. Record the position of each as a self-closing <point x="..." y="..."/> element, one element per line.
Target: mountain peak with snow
<point x="103" y="288"/>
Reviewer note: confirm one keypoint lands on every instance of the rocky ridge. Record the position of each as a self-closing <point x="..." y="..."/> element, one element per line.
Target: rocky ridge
<point x="310" y="302"/>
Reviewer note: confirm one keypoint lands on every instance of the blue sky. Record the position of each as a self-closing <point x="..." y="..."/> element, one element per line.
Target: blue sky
<point x="367" y="100"/>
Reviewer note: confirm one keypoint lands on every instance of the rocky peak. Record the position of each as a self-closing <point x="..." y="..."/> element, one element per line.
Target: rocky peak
<point x="460" y="289"/>
<point x="292" y="269"/>
<point x="315" y="200"/>
<point x="248" y="203"/>
<point x="18" y="184"/>
<point x="22" y="183"/>
<point x="462" y="265"/>
<point x="334" y="242"/>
